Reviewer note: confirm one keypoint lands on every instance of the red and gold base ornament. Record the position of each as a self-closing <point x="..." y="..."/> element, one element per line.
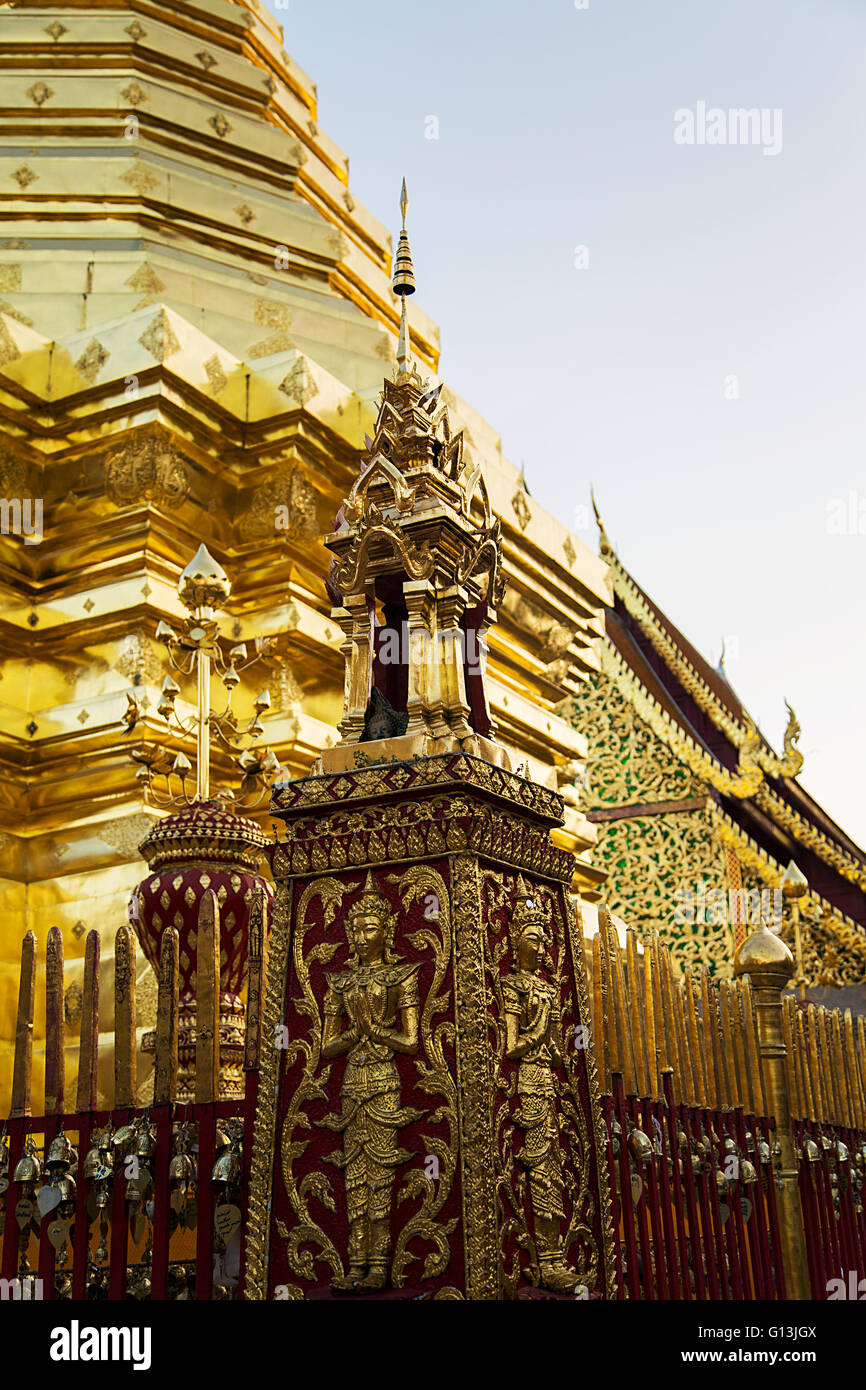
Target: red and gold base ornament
<point x="188" y="852"/>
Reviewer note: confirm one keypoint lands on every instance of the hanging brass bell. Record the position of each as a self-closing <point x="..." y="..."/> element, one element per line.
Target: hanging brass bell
<point x="96" y="1168"/>
<point x="27" y="1169"/>
<point x="138" y="1188"/>
<point x="640" y="1146"/>
<point x="123" y="1138"/>
<point x="228" y="1168"/>
<point x="61" y="1153"/>
<point x="66" y="1188"/>
<point x="145" y="1145"/>
<point x="181" y="1169"/>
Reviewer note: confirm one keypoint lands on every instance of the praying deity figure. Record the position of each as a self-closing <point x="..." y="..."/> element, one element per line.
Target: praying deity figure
<point x="371" y="1013"/>
<point x="534" y="1039"/>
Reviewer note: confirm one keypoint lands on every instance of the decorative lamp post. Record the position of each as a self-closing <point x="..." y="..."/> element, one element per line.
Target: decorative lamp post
<point x="768" y="962"/>
<point x="203" y="843"/>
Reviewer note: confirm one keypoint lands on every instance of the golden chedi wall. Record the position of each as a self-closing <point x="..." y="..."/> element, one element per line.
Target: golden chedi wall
<point x="195" y="319"/>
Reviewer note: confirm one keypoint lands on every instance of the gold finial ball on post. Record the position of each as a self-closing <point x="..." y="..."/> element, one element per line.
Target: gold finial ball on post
<point x="769" y="964"/>
<point x="766" y="959"/>
<point x="795" y="886"/>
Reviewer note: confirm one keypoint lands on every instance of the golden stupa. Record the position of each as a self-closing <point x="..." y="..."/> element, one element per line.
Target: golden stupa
<point x="195" y="319"/>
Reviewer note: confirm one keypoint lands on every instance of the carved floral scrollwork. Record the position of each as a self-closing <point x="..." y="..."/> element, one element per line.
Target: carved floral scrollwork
<point x="310" y="1087"/>
<point x="416" y="560"/>
<point x="147" y="468"/>
<point x="626" y="762"/>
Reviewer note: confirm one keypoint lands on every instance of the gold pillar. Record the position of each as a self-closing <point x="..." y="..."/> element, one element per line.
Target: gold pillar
<point x="766" y="960"/>
<point x="453" y="704"/>
<point x="356" y="620"/>
<point x="423" y="695"/>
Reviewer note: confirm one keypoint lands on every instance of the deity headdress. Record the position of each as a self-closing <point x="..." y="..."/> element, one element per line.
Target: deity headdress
<point x="529" y="911"/>
<point x="372" y="903"/>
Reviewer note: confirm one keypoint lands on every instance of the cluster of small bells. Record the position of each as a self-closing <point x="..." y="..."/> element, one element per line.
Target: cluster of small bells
<point x="54" y="1198"/>
<point x="705" y="1154"/>
<point x="699" y="1150"/>
<point x="129" y="1149"/>
<point x="836" y="1152"/>
<point x="702" y="1154"/>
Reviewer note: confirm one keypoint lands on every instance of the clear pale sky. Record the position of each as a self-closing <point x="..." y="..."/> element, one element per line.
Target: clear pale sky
<point x="706" y="262"/>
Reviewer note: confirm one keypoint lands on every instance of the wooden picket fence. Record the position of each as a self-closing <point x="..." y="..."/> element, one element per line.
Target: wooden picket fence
<point x="136" y="1201"/>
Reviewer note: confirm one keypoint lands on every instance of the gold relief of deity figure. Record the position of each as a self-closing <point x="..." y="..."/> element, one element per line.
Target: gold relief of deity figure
<point x="371" y="1014"/>
<point x="534" y="1040"/>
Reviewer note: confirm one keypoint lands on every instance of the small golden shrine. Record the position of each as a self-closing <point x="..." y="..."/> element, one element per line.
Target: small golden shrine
<point x="429" y="1120"/>
<point x="196" y="313"/>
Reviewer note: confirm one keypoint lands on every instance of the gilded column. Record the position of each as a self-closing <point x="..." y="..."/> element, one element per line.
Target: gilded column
<point x="765" y="958"/>
<point x="356" y="620"/>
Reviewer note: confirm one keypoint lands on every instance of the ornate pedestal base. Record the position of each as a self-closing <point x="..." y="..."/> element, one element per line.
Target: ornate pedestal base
<point x="189" y="852"/>
<point x="429" y="1119"/>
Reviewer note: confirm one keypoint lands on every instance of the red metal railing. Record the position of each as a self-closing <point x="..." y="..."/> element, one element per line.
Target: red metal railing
<point x="693" y="1196"/>
<point x="832" y="1165"/>
<point x="146" y="1202"/>
<point x="160" y="1262"/>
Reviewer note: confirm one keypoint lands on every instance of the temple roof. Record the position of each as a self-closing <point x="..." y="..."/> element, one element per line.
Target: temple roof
<point x="694" y="708"/>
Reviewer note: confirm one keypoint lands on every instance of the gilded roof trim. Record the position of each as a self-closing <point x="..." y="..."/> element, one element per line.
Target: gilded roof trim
<point x="751" y="856"/>
<point x="749" y="776"/>
<point x="739" y="732"/>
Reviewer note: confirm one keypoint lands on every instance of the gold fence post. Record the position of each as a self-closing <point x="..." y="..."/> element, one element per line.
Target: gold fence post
<point x="766" y="960"/>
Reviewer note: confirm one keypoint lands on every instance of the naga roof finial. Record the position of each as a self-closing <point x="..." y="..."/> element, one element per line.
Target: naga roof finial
<point x="604" y="545"/>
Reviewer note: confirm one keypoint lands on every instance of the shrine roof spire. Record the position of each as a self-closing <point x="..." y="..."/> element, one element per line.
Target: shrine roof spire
<point x="403" y="284"/>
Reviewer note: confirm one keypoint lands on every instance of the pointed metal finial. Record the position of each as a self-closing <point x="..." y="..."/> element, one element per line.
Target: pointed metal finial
<point x="403" y="284"/>
<point x="204" y="582"/>
<point x="404" y="275"/>
<point x="794" y="883"/>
